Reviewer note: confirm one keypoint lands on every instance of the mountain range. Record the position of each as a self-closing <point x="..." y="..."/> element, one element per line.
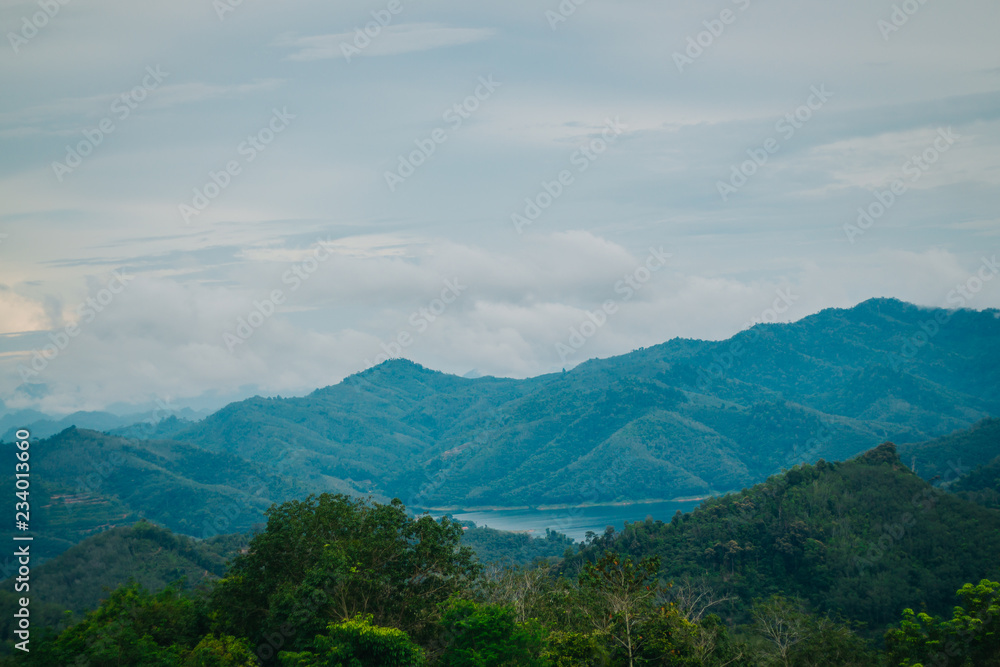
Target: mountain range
<point x="684" y="419"/>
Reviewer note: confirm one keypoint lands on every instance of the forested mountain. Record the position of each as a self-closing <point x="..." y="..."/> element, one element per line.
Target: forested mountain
<point x="682" y="419"/>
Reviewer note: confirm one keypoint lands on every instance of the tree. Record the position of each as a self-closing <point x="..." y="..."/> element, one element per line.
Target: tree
<point x="224" y="651"/>
<point x="971" y="638"/>
<point x="781" y="623"/>
<point x="488" y="636"/>
<point x="131" y="627"/>
<point x="622" y="593"/>
<point x="358" y="643"/>
<point x="331" y="558"/>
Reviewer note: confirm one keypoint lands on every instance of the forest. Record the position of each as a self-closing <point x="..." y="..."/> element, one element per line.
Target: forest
<point x="797" y="571"/>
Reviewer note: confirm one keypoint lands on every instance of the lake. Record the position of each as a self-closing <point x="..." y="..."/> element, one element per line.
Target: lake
<point x="574" y="522"/>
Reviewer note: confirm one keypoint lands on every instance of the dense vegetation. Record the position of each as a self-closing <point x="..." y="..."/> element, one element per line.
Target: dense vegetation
<point x="780" y="574"/>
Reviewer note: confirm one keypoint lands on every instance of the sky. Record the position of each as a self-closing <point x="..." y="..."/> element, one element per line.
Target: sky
<point x="206" y="200"/>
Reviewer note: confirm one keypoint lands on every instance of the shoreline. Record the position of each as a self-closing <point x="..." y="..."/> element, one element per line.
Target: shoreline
<point x="564" y="506"/>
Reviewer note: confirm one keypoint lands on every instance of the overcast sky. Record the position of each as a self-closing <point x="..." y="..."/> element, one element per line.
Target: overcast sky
<point x="229" y="159"/>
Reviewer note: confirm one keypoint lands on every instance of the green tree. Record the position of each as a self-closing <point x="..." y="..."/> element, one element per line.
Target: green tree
<point x="971" y="638"/>
<point x="488" y="636"/>
<point x="576" y="649"/>
<point x="358" y="643"/>
<point x="131" y="627"/>
<point x="224" y="651"/>
<point x="331" y="558"/>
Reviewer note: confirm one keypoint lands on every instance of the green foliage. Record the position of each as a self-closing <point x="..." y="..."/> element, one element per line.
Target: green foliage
<point x="224" y="651"/>
<point x="330" y="558"/>
<point x="488" y="636"/>
<point x="131" y="627"/>
<point x="971" y="638"/>
<point x="358" y="643"/>
<point x="576" y="649"/>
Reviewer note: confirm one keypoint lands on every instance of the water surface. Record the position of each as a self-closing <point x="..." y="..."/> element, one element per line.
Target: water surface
<point x="573" y="522"/>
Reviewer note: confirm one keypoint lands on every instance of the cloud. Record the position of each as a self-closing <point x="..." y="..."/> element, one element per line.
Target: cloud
<point x="392" y="40"/>
<point x="19" y="314"/>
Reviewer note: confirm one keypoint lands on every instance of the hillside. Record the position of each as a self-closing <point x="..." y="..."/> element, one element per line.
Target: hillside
<point x="864" y="538"/>
<point x="93" y="482"/>
<point x="77" y="580"/>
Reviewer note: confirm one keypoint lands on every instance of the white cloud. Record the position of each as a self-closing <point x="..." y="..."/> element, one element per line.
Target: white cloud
<point x="390" y="41"/>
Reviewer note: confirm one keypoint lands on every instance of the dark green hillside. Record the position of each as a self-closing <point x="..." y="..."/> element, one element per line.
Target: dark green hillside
<point x="77" y="580"/>
<point x="93" y="482"/>
<point x="865" y="538"/>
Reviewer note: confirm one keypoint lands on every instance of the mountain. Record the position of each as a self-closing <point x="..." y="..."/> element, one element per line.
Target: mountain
<point x="685" y="419"/>
<point x="865" y="538"/>
<point x="682" y="419"/>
